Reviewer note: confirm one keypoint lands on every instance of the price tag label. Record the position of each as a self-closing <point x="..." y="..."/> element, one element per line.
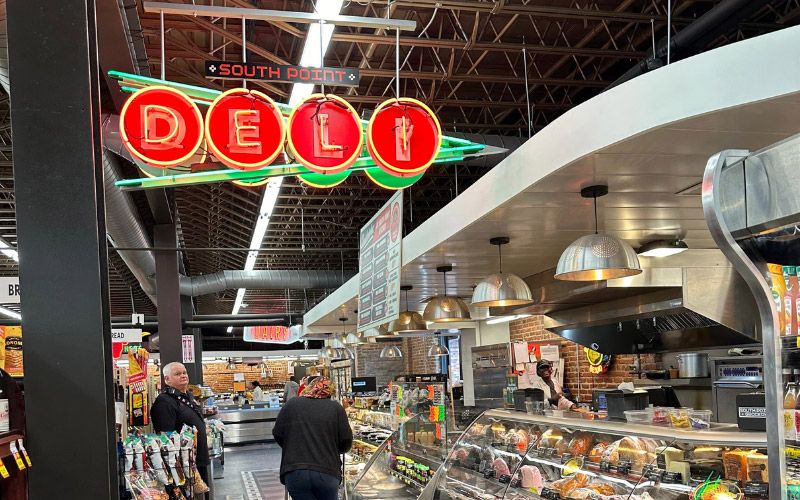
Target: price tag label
<point x="549" y="494"/>
<point x="605" y="466"/>
<point x="24" y="453"/>
<point x="3" y="471"/>
<point x="756" y="489"/>
<point x="624" y="466"/>
<point x="17" y="457"/>
<point x="565" y="458"/>
<point x="673" y="478"/>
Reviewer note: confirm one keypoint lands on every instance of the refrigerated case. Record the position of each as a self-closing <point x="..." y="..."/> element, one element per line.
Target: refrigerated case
<point x="751" y="202"/>
<point x="509" y="454"/>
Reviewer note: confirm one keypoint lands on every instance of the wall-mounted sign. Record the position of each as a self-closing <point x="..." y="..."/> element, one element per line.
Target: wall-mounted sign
<point x="187" y="348"/>
<point x="379" y="265"/>
<point x="9" y="290"/>
<point x="271" y="334"/>
<point x="343" y="77"/>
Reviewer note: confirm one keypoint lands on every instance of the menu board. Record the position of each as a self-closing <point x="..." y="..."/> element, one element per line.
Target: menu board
<point x="379" y="265"/>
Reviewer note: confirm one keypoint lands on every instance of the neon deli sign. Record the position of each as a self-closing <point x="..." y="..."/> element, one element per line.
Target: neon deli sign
<point x="245" y="130"/>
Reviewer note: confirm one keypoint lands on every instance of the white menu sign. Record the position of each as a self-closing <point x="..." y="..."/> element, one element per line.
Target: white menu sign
<point x="379" y="265"/>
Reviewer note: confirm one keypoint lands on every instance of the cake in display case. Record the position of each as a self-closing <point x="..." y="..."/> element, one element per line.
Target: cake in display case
<point x="510" y="454"/>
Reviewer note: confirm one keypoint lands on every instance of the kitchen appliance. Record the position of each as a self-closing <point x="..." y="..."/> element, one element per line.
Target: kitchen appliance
<point x="522" y="395"/>
<point x="751" y="411"/>
<point x="732" y="376"/>
<point x="490" y="364"/>
<point x="692" y="365"/>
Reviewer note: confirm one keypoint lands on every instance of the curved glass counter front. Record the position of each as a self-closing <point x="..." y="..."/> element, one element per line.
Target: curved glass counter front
<point x="397" y="468"/>
<point x="508" y="454"/>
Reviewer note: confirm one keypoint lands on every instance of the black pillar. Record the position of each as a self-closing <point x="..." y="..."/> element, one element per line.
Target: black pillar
<point x="195" y="369"/>
<point x="168" y="294"/>
<point x="58" y="172"/>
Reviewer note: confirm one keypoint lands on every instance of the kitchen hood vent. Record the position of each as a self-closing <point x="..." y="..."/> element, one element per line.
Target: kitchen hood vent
<point x="693" y="300"/>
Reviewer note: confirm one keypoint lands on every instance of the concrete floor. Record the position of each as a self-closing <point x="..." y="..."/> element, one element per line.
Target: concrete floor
<point x="244" y="458"/>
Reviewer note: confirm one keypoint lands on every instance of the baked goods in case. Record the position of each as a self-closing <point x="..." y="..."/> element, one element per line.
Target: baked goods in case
<point x="550" y="438"/>
<point x="757" y="467"/>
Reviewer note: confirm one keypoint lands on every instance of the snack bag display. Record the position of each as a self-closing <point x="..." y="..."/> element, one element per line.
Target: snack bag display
<point x="778" y="288"/>
<point x="790" y="300"/>
<point x="13" y="351"/>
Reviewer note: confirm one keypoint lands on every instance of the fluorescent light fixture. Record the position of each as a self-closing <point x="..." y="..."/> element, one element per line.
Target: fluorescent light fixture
<point x="506" y="319"/>
<point x="315" y="47"/>
<point x="663" y="248"/>
<point x="9" y="251"/>
<point x="10" y="313"/>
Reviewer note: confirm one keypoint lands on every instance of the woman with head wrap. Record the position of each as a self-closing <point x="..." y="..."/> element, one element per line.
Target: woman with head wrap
<point x="313" y="432"/>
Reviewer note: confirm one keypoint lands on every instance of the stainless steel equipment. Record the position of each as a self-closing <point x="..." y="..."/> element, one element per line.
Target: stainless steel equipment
<point x="688" y="301"/>
<point x="732" y="376"/>
<point x="692" y="365"/>
<point x="490" y="364"/>
<point x="248" y="425"/>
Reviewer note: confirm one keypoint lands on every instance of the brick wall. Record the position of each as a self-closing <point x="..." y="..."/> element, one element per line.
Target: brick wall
<point x="532" y="329"/>
<point x="417" y="353"/>
<point x="369" y="363"/>
<point x="220" y="378"/>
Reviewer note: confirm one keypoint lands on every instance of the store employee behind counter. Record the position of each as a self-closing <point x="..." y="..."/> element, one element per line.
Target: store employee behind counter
<point x="175" y="407"/>
<point x="552" y="389"/>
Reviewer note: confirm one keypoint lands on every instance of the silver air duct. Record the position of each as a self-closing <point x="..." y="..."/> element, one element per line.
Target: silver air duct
<point x="225" y="280"/>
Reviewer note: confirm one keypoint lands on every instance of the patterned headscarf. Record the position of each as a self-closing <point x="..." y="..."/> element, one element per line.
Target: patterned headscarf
<point x="319" y="388"/>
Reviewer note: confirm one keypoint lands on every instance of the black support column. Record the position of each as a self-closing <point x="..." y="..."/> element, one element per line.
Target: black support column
<point x="55" y="110"/>
<point x="195" y="369"/>
<point x="168" y="294"/>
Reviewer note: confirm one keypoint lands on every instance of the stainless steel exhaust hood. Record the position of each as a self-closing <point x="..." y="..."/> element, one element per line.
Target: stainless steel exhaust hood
<point x="693" y="300"/>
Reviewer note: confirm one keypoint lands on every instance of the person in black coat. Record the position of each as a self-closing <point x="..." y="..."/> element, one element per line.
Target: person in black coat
<point x="313" y="432"/>
<point x="175" y="407"/>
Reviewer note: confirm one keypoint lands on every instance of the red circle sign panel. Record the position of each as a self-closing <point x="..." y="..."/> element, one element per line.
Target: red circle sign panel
<point x="325" y="134"/>
<point x="244" y="129"/>
<point x="403" y="137"/>
<point x="161" y="126"/>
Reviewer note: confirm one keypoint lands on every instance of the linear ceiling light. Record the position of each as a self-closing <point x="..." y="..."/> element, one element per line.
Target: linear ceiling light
<point x="10" y="313"/>
<point x="506" y="319"/>
<point x="264" y="213"/>
<point x="8" y="250"/>
<point x="316" y="45"/>
<point x="662" y="248"/>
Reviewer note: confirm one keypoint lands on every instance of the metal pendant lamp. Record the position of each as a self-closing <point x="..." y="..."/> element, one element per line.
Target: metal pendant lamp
<point x="391" y="352"/>
<point x="438" y="350"/>
<point x="501" y="289"/>
<point x="408" y="321"/>
<point x="597" y="257"/>
<point x="444" y="308"/>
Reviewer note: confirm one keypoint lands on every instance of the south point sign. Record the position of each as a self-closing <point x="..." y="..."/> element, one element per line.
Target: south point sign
<point x="245" y="130"/>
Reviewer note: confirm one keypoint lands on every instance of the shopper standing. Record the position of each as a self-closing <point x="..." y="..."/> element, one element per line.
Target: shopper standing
<point x="290" y="390"/>
<point x="313" y="432"/>
<point x="175" y="407"/>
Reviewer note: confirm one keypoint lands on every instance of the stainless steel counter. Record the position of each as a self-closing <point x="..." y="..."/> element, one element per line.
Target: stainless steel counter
<point x="248" y="425"/>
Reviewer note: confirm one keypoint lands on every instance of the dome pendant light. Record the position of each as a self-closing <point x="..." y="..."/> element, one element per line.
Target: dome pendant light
<point x="391" y="352"/>
<point x="408" y="321"/>
<point x="501" y="289"/>
<point x="438" y="350"/>
<point x="444" y="308"/>
<point x="597" y="257"/>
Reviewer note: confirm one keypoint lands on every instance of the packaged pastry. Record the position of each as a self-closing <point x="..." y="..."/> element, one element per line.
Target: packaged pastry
<point x="735" y="463"/>
<point x="13" y="352"/>
<point x="580" y="444"/>
<point x="757" y="467"/>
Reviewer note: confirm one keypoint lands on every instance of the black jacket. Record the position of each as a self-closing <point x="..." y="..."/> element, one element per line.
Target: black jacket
<point x="312" y="433"/>
<point x="169" y="414"/>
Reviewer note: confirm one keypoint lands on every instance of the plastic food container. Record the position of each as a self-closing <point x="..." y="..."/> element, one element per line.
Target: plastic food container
<point x="637" y="416"/>
<point x="700" y="419"/>
<point x="679" y="418"/>
<point x="659" y="415"/>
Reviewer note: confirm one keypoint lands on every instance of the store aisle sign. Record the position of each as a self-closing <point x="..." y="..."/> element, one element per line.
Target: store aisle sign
<point x="129" y="335"/>
<point x="271" y="334"/>
<point x="9" y="290"/>
<point x="345" y="77"/>
<point x="245" y="130"/>
<point x="379" y="265"/>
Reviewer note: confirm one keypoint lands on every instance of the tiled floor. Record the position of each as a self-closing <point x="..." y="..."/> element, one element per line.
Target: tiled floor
<point x="240" y="459"/>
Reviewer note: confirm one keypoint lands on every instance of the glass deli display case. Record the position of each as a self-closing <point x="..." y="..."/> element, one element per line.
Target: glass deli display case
<point x="751" y="203"/>
<point x="510" y="454"/>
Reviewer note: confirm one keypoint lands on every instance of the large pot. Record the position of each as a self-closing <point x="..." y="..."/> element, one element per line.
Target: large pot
<point x="693" y="365"/>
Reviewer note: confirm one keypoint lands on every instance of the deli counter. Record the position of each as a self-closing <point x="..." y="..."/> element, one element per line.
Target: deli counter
<point x="248" y="424"/>
<point x="514" y="455"/>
